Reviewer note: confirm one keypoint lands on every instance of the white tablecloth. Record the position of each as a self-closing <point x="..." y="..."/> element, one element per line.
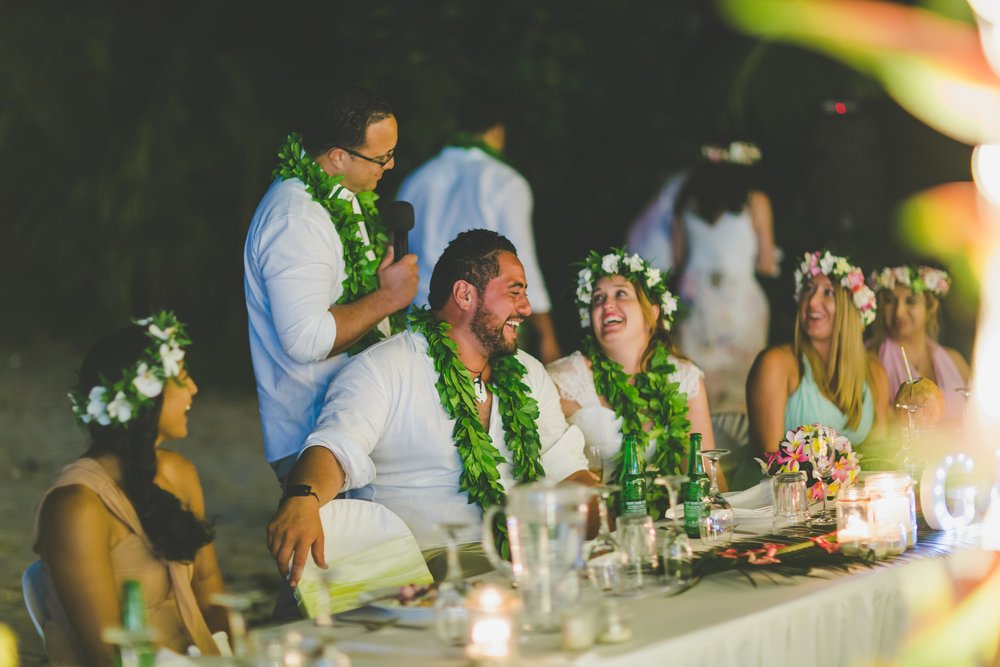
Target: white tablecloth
<point x="830" y="619"/>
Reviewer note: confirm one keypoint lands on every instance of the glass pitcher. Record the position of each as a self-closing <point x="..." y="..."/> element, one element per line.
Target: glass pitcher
<point x="546" y="523"/>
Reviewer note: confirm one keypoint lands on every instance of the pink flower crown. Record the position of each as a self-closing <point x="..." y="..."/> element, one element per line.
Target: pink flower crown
<point x="850" y="277"/>
<point x="917" y="278"/>
<point x="737" y="152"/>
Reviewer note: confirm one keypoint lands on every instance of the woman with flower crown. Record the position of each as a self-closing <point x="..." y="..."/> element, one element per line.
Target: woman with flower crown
<point x="826" y="376"/>
<point x="128" y="509"/>
<point x="908" y="303"/>
<point x="722" y="237"/>
<point x="628" y="379"/>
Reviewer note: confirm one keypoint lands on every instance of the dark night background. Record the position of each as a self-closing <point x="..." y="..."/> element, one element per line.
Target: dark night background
<point x="136" y="139"/>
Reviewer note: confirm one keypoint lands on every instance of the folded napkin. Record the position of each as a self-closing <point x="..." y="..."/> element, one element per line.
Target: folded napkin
<point x="755" y="501"/>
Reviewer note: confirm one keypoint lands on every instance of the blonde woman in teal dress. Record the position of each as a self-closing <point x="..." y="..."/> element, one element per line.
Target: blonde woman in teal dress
<point x="826" y="376"/>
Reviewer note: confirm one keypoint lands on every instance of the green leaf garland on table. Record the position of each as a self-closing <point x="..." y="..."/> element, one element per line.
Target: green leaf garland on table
<point x="653" y="399"/>
<point x="480" y="476"/>
<point x="361" y="260"/>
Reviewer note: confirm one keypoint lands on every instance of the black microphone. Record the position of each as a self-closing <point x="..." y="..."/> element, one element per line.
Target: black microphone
<point x="398" y="219"/>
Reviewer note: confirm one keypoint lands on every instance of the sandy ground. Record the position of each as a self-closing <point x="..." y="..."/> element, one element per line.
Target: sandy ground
<point x="38" y="436"/>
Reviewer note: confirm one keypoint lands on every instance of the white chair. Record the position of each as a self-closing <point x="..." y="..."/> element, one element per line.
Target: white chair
<point x="367" y="548"/>
<point x="33" y="590"/>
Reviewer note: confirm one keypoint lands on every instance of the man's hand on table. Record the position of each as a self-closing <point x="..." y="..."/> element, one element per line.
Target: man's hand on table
<point x="293" y="532"/>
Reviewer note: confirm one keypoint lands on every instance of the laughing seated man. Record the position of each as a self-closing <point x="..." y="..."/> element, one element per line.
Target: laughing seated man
<point x="388" y="429"/>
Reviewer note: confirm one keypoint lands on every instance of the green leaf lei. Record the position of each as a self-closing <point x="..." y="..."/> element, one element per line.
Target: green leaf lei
<point x="655" y="399"/>
<point x="480" y="477"/>
<point x="361" y="260"/>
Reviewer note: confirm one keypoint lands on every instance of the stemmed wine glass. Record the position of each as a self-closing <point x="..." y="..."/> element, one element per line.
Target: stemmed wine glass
<point x="236" y="604"/>
<point x="717" y="518"/>
<point x="452" y="617"/>
<point x="603" y="557"/>
<point x="911" y="405"/>
<point x="595" y="461"/>
<point x="823" y="456"/>
<point x="676" y="551"/>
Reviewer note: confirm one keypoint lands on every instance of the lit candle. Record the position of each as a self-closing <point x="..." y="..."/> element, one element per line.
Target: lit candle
<point x="492" y="638"/>
<point x="853" y="521"/>
<point x="890" y="512"/>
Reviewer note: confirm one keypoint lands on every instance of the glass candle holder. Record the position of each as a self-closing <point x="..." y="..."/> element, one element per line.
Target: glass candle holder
<point x="897" y="484"/>
<point x="493" y="626"/>
<point x="853" y="527"/>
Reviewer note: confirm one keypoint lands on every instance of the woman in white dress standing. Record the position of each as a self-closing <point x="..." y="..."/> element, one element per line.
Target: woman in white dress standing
<point x="628" y="380"/>
<point x="722" y="235"/>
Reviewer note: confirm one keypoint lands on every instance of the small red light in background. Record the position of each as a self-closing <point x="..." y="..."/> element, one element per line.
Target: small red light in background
<point x="840" y="108"/>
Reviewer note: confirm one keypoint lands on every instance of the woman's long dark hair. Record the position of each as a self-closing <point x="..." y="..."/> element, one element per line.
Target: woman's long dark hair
<point x="176" y="533"/>
<point x="713" y="188"/>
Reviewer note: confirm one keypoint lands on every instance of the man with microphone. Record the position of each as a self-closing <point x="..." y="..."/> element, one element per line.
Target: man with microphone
<point x="319" y="279"/>
<point x="388" y="426"/>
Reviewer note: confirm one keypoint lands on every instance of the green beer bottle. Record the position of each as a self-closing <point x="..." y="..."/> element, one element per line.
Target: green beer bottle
<point x="693" y="490"/>
<point x="633" y="481"/>
<point x="136" y="652"/>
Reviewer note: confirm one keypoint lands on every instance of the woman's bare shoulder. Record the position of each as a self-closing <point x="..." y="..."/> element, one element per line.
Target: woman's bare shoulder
<point x="179" y="474"/>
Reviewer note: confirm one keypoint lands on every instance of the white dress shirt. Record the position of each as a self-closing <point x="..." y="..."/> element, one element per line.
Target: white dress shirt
<point x="384" y="421"/>
<point x="463" y="189"/>
<point x="293" y="272"/>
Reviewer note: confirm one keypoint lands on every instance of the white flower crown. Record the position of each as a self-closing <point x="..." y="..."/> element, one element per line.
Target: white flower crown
<point x="917" y="278"/>
<point x="119" y="401"/>
<point x="737" y="152"/>
<point x="850" y="277"/>
<point x="634" y="269"/>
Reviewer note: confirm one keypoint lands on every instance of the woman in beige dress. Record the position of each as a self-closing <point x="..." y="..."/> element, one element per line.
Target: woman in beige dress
<point x="127" y="509"/>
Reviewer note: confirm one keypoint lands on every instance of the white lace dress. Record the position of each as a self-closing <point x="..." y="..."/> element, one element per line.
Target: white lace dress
<point x="602" y="429"/>
<point x="727" y="323"/>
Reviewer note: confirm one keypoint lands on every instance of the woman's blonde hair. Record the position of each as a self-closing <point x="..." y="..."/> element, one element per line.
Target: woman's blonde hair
<point x="880" y="332"/>
<point x="842" y="378"/>
<point x="655" y="323"/>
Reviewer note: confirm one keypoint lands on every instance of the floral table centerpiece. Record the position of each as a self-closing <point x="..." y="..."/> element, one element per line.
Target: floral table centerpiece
<point x="799" y="449"/>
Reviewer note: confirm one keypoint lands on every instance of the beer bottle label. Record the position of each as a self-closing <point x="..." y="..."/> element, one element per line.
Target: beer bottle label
<point x="634" y="496"/>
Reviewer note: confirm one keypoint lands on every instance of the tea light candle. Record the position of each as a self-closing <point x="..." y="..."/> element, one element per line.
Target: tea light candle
<point x="853" y="526"/>
<point x="890" y="512"/>
<point x="492" y="638"/>
<point x="579" y="629"/>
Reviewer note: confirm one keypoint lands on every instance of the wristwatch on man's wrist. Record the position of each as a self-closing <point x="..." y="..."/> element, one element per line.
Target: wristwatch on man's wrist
<point x="295" y="491"/>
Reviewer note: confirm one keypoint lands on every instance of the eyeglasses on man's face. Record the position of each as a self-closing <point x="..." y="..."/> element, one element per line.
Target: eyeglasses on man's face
<point x="381" y="160"/>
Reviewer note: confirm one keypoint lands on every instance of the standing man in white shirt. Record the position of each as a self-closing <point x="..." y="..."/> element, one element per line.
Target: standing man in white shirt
<point x="318" y="278"/>
<point x="431" y="420"/>
<point x="469" y="185"/>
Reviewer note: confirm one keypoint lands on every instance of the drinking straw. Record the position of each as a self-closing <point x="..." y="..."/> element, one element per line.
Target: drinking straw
<point x="907" y="364"/>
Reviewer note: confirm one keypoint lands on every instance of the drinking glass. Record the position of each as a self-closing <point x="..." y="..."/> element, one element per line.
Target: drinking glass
<point x="451" y="615"/>
<point x="603" y="554"/>
<point x="595" y="461"/>
<point x="823" y="456"/>
<point x="676" y="550"/>
<point x="637" y="537"/>
<point x="791" y="505"/>
<point x="717" y="518"/>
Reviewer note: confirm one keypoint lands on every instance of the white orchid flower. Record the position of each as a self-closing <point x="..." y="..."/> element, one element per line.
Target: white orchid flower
<point x="609" y="263"/>
<point x="162" y="334"/>
<point x="584" y="317"/>
<point x="652" y="277"/>
<point x="120" y="409"/>
<point x="144" y="321"/>
<point x="669" y="304"/>
<point x="171" y="356"/>
<point x="826" y="263"/>
<point x="585" y="276"/>
<point x="96" y="406"/>
<point x="146" y="381"/>
<point x="634" y="263"/>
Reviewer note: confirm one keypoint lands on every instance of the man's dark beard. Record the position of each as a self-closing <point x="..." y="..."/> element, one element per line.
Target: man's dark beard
<point x="490" y="335"/>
